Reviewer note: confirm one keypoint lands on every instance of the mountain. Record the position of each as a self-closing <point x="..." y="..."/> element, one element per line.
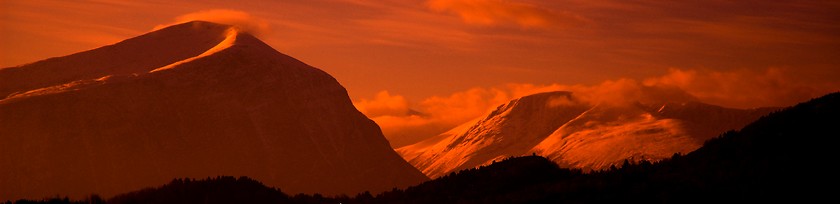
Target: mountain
<point x="576" y="133"/>
<point x="778" y="158"/>
<point x="193" y="100"/>
<point x="512" y="129"/>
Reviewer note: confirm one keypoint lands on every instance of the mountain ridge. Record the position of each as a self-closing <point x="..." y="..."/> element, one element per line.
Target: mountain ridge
<point x="593" y="135"/>
<point x="181" y="41"/>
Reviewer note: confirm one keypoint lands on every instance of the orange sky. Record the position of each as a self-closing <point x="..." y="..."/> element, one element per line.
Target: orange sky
<point x="477" y="53"/>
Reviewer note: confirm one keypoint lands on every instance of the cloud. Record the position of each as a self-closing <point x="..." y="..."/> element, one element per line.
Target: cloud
<point x="242" y="20"/>
<point x="500" y="12"/>
<point x="433" y="115"/>
<point x="437" y="114"/>
<point x="744" y="88"/>
<point x="384" y="104"/>
<point x="405" y="123"/>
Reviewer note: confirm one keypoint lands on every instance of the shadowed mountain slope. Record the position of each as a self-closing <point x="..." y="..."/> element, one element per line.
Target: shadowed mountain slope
<point x="238" y="108"/>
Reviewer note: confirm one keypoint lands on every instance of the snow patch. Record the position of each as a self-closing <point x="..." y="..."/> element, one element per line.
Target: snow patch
<point x="230" y="39"/>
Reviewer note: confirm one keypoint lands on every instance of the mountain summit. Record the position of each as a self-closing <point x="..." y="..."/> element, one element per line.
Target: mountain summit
<point x="576" y="133"/>
<point x="197" y="100"/>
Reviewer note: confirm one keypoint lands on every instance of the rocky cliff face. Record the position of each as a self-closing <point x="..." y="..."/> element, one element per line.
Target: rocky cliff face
<point x="192" y="100"/>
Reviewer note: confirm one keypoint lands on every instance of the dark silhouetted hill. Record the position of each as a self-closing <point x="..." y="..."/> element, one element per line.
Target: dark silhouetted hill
<point x="212" y="190"/>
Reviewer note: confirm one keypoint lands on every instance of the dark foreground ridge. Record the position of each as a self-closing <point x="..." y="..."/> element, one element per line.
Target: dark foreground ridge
<point x="776" y="158"/>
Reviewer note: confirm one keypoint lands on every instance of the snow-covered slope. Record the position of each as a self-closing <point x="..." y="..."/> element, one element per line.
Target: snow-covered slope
<point x="576" y="134"/>
<point x="136" y="55"/>
<point x="606" y="135"/>
<point x="192" y="100"/>
<point x="511" y="130"/>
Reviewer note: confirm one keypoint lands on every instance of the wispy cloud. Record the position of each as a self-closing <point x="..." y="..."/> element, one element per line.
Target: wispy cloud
<point x="504" y="13"/>
<point x="745" y="88"/>
<point x="739" y="89"/>
<point x="452" y="45"/>
<point x="242" y="20"/>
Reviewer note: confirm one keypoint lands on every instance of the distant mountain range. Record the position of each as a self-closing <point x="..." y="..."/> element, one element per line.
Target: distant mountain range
<point x="774" y="159"/>
<point x="197" y="100"/>
<point x="576" y="133"/>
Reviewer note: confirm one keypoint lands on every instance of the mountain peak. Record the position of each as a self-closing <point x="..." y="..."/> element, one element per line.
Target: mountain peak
<point x="578" y="134"/>
<point x="534" y="102"/>
<point x="195" y="99"/>
<point x="133" y="56"/>
<point x="230" y="34"/>
<point x="194" y="26"/>
<point x="159" y="50"/>
<point x="510" y="130"/>
<point x="200" y="23"/>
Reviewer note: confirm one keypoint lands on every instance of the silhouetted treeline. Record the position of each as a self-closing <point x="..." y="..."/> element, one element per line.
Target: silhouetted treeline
<point x="222" y="189"/>
<point x="93" y="199"/>
<point x="782" y="157"/>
